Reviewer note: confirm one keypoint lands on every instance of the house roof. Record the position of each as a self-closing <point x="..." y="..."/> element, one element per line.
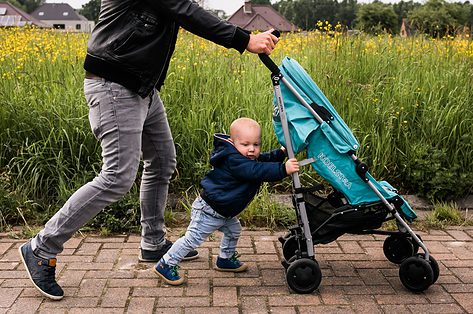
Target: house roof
<point x="56" y="12"/>
<point x="13" y="16"/>
<point x="260" y="17"/>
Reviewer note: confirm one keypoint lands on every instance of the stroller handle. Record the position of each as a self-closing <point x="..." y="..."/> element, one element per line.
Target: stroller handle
<point x="267" y="60"/>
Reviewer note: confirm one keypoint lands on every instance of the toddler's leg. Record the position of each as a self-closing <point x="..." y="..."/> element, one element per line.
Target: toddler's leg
<point x="228" y="258"/>
<point x="231" y="233"/>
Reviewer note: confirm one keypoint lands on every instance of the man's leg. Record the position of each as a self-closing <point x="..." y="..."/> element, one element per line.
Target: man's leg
<point x="116" y="116"/>
<point x="159" y="156"/>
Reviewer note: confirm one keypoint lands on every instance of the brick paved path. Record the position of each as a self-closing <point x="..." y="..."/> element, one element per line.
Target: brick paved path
<point x="103" y="275"/>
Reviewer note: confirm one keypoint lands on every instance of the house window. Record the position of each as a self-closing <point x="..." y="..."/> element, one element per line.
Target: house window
<point x="65" y="13"/>
<point x="3" y="11"/>
<point x="78" y="26"/>
<point x="41" y="13"/>
<point x="59" y="26"/>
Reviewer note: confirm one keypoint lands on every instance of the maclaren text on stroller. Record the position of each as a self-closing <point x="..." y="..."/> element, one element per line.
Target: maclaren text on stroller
<point x="304" y="120"/>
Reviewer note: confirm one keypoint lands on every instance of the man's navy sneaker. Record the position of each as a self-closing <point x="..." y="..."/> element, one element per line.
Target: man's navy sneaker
<point x="41" y="272"/>
<point x="231" y="264"/>
<point x="170" y="274"/>
<point x="155" y="256"/>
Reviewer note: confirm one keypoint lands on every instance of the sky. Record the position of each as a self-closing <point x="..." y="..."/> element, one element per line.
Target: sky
<point x="229" y="6"/>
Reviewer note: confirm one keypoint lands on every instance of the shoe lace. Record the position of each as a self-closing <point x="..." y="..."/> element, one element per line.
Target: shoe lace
<point x="234" y="258"/>
<point x="175" y="270"/>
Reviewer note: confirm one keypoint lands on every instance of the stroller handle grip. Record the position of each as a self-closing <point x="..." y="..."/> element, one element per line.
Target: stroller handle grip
<point x="267" y="60"/>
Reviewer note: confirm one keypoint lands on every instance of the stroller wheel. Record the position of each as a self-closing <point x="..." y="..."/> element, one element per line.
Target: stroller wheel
<point x="416" y="273"/>
<point x="433" y="264"/>
<point x="398" y="248"/>
<point x="287" y="263"/>
<point x="416" y="245"/>
<point x="304" y="275"/>
<point x="289" y="248"/>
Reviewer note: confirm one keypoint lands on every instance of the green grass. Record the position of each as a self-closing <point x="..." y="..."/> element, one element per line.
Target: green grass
<point x="408" y="101"/>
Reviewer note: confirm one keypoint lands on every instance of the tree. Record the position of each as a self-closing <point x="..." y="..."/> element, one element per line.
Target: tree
<point x="91" y="10"/>
<point x="433" y="18"/>
<point x="402" y="9"/>
<point x="346" y="12"/>
<point x="377" y="17"/>
<point x="267" y="2"/>
<point x="27" y="5"/>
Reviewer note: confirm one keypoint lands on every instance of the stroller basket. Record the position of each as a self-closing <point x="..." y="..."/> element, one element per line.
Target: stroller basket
<point x="327" y="221"/>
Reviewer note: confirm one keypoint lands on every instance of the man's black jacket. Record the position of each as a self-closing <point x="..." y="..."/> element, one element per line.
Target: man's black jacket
<point x="133" y="40"/>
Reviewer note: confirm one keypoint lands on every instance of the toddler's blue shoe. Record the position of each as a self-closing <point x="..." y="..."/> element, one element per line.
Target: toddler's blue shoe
<point x="231" y="264"/>
<point x="170" y="274"/>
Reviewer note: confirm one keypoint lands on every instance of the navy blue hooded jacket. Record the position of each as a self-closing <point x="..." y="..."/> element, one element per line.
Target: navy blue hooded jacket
<point x="235" y="179"/>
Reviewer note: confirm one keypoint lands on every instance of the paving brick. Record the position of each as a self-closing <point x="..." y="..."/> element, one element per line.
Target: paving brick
<point x="325" y="309"/>
<point x="91" y="287"/>
<point x="294" y="299"/>
<point x="25" y="305"/>
<point x="265" y="247"/>
<point x="88" y="249"/>
<point x="232" y="282"/>
<point x="70" y="303"/>
<point x="465" y="301"/>
<point x="158" y="291"/>
<point x="254" y="304"/>
<point x="459" y="235"/>
<point x="280" y="310"/>
<point x="225" y="296"/>
<point x="198" y="287"/>
<point x="141" y="305"/>
<point x="435" y="308"/>
<point x="183" y="301"/>
<point x="210" y="310"/>
<point x="4" y="247"/>
<point x="115" y="297"/>
<point x="8" y="296"/>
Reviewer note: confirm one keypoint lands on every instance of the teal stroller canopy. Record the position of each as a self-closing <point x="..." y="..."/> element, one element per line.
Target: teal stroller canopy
<point x="329" y="142"/>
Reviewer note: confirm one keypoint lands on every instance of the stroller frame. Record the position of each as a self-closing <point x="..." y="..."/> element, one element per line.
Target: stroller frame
<point x="303" y="273"/>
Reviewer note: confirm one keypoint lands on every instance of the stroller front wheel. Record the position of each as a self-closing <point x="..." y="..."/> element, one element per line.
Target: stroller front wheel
<point x="304" y="275"/>
<point x="416" y="273"/>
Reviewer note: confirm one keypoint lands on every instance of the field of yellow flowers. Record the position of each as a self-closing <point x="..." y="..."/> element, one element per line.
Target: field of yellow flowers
<point x="408" y="101"/>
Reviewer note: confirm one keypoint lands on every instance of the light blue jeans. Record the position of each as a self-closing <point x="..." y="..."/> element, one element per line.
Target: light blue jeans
<point x="128" y="128"/>
<point x="204" y="221"/>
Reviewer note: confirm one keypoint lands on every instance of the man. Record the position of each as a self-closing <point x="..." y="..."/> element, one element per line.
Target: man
<point x="127" y="58"/>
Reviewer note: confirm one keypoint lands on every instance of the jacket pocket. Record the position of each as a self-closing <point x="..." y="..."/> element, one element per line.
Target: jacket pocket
<point x="141" y="31"/>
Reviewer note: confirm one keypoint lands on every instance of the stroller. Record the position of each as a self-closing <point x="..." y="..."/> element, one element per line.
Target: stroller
<point x="304" y="120"/>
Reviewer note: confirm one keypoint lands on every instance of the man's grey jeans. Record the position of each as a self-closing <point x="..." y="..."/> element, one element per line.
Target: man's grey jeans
<point x="127" y="127"/>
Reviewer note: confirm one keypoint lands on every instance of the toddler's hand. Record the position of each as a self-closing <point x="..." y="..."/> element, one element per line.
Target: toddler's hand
<point x="292" y="166"/>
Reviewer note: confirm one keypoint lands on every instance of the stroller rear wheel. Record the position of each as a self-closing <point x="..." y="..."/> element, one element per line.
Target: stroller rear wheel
<point x="416" y="273"/>
<point x="304" y="275"/>
<point x="397" y="248"/>
<point x="290" y="247"/>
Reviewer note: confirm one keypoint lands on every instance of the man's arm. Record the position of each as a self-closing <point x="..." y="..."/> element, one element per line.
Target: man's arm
<point x="198" y="21"/>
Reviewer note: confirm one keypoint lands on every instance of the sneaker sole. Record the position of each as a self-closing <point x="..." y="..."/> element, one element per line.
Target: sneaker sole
<point x="52" y="297"/>
<point x="141" y="259"/>
<point x="240" y="269"/>
<point x="172" y="283"/>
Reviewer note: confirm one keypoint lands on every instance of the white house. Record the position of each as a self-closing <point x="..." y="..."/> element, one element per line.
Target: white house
<point x="62" y="16"/>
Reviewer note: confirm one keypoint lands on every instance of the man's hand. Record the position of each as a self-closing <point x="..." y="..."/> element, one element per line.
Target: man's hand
<point x="262" y="42"/>
<point x="292" y="166"/>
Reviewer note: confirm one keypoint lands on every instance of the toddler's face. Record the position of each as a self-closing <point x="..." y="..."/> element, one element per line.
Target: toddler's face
<point x="248" y="142"/>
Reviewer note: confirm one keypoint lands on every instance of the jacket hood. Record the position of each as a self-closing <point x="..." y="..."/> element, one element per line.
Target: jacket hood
<point x="223" y="146"/>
